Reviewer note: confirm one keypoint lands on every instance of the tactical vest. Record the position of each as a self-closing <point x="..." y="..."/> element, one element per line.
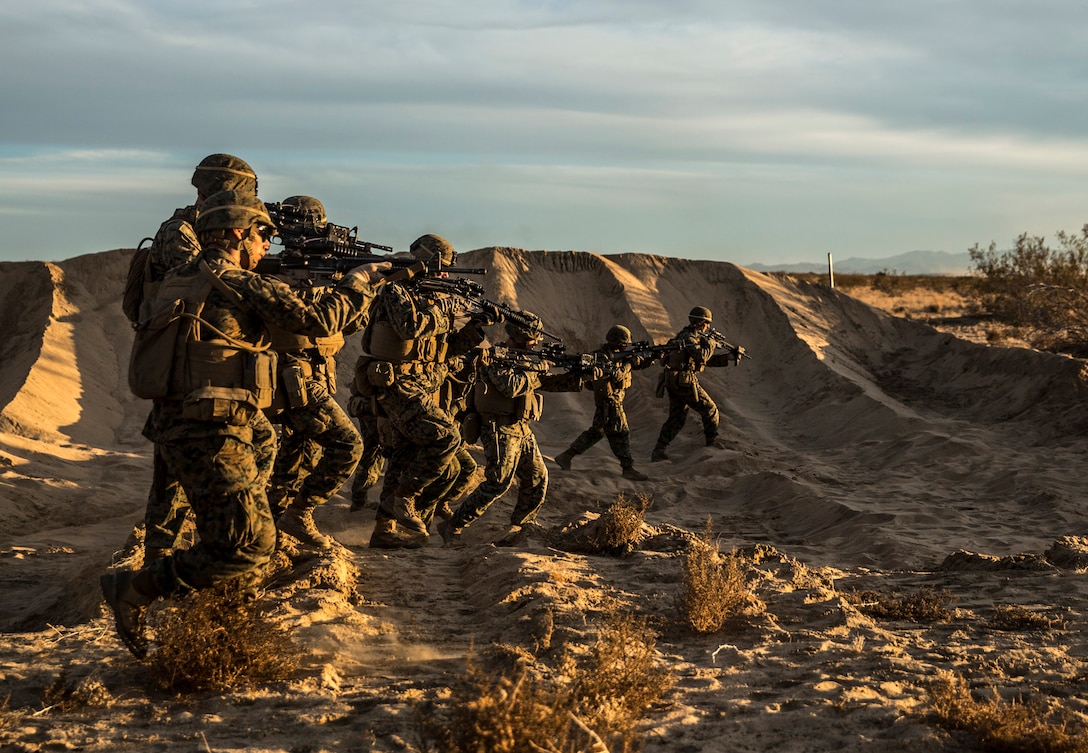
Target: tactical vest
<point x="496" y="407"/>
<point x="217" y="379"/>
<point x="382" y="341"/>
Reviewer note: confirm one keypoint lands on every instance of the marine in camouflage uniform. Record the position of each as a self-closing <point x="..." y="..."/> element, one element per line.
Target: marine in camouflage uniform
<point x="506" y="399"/>
<point x="369" y="470"/>
<point x="609" y="418"/>
<point x="319" y="446"/>
<point x="175" y="244"/>
<point x="411" y="335"/>
<point x="210" y="433"/>
<point x="681" y="382"/>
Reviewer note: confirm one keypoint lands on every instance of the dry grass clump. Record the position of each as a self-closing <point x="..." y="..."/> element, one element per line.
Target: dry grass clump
<point x="621" y="523"/>
<point x="714" y="587"/>
<point x="925" y="605"/>
<point x="596" y="702"/>
<point x="66" y="695"/>
<point x="216" y="639"/>
<point x="1017" y="617"/>
<point x="8" y="717"/>
<point x="1001" y="726"/>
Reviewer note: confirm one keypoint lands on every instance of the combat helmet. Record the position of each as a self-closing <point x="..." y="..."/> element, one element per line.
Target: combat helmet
<point x="700" y="314"/>
<point x="308" y="209"/>
<point x="232" y="209"/>
<point x="532" y="328"/>
<point x="618" y="335"/>
<point x="223" y="172"/>
<point x="426" y="247"/>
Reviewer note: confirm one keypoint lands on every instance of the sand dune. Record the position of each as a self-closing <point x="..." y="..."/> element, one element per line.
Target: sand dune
<point x="862" y="448"/>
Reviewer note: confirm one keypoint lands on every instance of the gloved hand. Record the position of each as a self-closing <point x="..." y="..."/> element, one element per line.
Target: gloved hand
<point x="487" y="315"/>
<point x="372" y="273"/>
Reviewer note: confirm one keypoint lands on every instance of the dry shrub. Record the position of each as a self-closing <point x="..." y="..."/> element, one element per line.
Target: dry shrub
<point x="66" y="695"/>
<point x="714" y="587"/>
<point x="621" y="523"/>
<point x="8" y="717"/>
<point x="1001" y="726"/>
<point x="596" y="703"/>
<point x="216" y="639"/>
<point x="925" y="605"/>
<point x="1017" y="617"/>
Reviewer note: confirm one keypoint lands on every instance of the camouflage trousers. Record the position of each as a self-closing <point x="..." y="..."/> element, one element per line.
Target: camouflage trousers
<point x="370" y="465"/>
<point x="225" y="486"/>
<point x="687" y="394"/>
<point x="426" y="439"/>
<point x="167" y="506"/>
<point x="511" y="455"/>
<point x="318" y="451"/>
<point x="449" y="488"/>
<point x="609" y="421"/>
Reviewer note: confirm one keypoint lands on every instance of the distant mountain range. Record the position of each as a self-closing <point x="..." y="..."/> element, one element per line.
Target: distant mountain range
<point x="911" y="263"/>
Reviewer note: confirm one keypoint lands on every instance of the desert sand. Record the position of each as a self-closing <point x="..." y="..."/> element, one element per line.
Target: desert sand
<point x="864" y="451"/>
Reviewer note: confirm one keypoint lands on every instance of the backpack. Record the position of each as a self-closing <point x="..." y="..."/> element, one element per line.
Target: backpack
<point x="139" y="271"/>
<point x="161" y="335"/>
<point x="169" y="360"/>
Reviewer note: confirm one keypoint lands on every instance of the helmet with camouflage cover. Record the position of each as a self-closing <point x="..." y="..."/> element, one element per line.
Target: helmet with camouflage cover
<point x="223" y="172"/>
<point x="308" y="209"/>
<point x="618" y="335"/>
<point x="532" y="328"/>
<point x="700" y="314"/>
<point x="232" y="209"/>
<point x="426" y="247"/>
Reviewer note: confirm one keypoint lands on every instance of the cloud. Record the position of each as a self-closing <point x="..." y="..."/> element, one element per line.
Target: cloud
<point x="500" y="114"/>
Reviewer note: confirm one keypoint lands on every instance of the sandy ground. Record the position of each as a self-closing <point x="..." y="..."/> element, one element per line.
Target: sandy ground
<point x="865" y="452"/>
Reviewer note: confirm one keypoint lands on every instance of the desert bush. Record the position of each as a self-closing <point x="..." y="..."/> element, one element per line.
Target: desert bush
<point x="714" y="587"/>
<point x="1017" y="617"/>
<point x="1036" y="287"/>
<point x="925" y="605"/>
<point x="594" y="703"/>
<point x="1001" y="726"/>
<point x="621" y="523"/>
<point x="65" y="694"/>
<point x="217" y="639"/>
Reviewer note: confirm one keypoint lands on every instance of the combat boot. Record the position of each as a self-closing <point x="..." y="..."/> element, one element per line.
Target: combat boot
<point x="406" y="515"/>
<point x="386" y="535"/>
<point x="658" y="454"/>
<point x="299" y="522"/>
<point x="358" y="503"/>
<point x="450" y="536"/>
<point x="631" y="474"/>
<point x="128" y="594"/>
<point x="563" y="459"/>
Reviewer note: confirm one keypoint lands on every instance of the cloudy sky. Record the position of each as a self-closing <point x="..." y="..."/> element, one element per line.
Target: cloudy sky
<point x="739" y="130"/>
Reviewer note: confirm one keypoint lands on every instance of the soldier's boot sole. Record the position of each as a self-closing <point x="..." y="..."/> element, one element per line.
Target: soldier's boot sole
<point x="129" y="609"/>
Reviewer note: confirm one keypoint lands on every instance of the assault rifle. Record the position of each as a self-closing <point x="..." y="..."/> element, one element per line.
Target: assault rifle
<point x="642" y="349"/>
<point x="736" y="351"/>
<point x="300" y="232"/>
<point x="315" y="271"/>
<point x="472" y="296"/>
<point x="543" y="359"/>
<point x="319" y="255"/>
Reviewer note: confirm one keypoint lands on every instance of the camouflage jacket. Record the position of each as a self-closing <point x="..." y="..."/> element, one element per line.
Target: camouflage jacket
<point x="174" y="244"/>
<point x="698" y="349"/>
<point x="265" y="301"/>
<point x="418" y="317"/>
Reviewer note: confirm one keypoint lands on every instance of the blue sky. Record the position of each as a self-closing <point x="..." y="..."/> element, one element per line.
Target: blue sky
<point x="747" y="131"/>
